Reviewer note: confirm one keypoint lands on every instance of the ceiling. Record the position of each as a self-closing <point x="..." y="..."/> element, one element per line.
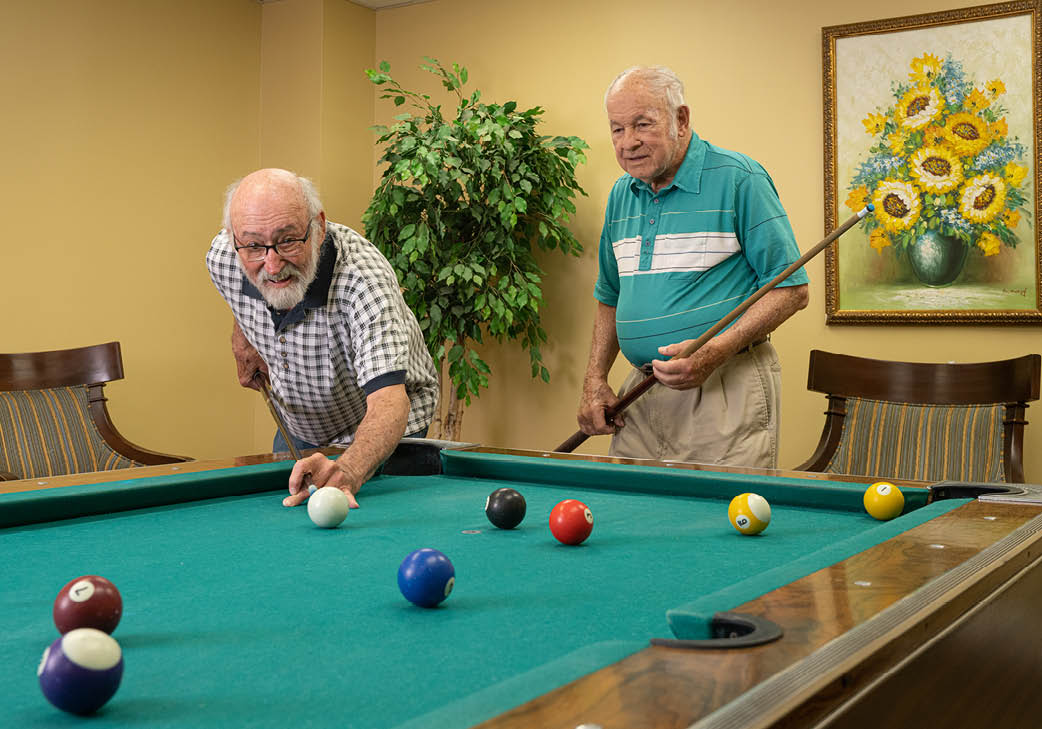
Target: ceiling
<point x="374" y="4"/>
<point x="384" y="4"/>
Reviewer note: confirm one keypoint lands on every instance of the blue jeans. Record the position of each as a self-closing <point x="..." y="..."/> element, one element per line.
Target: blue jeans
<point x="279" y="445"/>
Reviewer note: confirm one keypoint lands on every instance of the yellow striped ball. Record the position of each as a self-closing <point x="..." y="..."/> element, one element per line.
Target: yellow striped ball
<point x="749" y="513"/>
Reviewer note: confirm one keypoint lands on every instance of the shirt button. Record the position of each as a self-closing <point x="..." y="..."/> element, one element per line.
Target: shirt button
<point x="282" y="339"/>
<point x="656" y="201"/>
<point x="651" y="222"/>
<point x="285" y="365"/>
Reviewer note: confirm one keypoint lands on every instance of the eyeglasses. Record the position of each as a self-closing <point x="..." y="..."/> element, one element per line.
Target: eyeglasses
<point x="255" y="252"/>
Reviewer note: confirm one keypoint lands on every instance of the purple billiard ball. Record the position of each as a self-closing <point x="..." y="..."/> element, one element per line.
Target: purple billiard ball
<point x="426" y="577"/>
<point x="81" y="670"/>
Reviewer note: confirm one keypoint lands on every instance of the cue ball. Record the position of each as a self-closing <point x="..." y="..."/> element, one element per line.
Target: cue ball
<point x="426" y="577"/>
<point x="884" y="501"/>
<point x="81" y="670"/>
<point x="571" y="521"/>
<point x="505" y="508"/>
<point x="749" y="513"/>
<point x="328" y="507"/>
<point x="88" y="602"/>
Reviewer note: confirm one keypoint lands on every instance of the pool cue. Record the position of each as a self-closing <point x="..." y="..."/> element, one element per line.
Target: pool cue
<point x="265" y="390"/>
<point x="609" y="413"/>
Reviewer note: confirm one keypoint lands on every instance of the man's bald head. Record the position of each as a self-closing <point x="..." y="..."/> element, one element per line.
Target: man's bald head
<point x="271" y="186"/>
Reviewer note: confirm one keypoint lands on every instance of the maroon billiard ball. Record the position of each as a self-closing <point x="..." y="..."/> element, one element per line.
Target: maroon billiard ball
<point x="571" y="521"/>
<point x="88" y="602"/>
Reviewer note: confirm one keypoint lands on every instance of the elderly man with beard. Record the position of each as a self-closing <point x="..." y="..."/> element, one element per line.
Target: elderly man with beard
<point x="690" y="232"/>
<point x="318" y="308"/>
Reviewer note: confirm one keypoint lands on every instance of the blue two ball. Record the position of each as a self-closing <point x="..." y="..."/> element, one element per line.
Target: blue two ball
<point x="426" y="577"/>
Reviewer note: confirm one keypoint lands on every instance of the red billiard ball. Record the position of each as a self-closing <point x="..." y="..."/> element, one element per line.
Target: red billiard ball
<point x="81" y="670"/>
<point x="88" y="602"/>
<point x="571" y="521"/>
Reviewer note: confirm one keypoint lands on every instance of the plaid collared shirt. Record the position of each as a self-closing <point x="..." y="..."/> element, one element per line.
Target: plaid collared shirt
<point x="352" y="334"/>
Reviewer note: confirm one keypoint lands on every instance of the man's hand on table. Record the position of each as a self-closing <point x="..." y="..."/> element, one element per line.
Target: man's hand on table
<point x="323" y="472"/>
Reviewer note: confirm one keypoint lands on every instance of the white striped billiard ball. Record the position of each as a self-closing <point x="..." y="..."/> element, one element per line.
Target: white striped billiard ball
<point x="81" y="670"/>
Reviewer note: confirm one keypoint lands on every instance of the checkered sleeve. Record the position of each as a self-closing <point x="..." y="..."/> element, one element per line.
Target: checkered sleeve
<point x="224" y="271"/>
<point x="368" y="297"/>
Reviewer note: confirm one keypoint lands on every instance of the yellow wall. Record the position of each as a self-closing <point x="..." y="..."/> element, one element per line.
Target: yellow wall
<point x="123" y="121"/>
<point x="127" y="118"/>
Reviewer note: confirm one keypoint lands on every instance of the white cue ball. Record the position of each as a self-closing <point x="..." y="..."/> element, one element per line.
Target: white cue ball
<point x="328" y="507"/>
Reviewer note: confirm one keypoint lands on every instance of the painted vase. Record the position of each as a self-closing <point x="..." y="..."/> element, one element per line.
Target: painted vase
<point x="937" y="259"/>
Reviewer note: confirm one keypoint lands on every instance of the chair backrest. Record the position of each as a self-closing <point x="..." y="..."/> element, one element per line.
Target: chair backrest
<point x="924" y="421"/>
<point x="53" y="416"/>
<point x="93" y="365"/>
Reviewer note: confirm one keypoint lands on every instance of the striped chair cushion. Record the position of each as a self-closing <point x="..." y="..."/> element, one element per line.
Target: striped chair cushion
<point x="922" y="442"/>
<point x="50" y="433"/>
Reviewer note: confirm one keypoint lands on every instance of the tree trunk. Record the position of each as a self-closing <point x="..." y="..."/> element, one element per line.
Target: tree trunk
<point x="454" y="419"/>
<point x="448" y="415"/>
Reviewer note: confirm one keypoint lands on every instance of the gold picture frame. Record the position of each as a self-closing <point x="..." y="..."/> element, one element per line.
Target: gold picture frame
<point x="936" y="120"/>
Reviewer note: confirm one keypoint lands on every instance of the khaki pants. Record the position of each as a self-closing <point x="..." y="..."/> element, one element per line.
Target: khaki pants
<point x="732" y="419"/>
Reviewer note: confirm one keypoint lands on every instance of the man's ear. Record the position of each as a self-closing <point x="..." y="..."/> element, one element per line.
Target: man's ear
<point x="683" y="120"/>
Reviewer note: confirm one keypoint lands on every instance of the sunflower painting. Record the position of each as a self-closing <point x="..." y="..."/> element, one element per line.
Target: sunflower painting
<point x="936" y="127"/>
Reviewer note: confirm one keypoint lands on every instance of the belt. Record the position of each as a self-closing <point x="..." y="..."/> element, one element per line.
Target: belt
<point x="647" y="370"/>
<point x="749" y="347"/>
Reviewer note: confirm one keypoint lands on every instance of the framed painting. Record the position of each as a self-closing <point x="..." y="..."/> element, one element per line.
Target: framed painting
<point x="934" y="119"/>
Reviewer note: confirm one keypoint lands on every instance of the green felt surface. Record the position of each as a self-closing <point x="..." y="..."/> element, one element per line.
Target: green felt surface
<point x="239" y="612"/>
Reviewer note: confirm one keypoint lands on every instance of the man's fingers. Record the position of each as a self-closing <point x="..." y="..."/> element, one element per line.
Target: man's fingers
<point x="296" y="499"/>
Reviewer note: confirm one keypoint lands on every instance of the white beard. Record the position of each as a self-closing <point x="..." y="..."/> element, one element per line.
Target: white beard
<point x="285" y="298"/>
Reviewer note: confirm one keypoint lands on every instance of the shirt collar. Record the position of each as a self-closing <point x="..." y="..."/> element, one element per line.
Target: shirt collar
<point x="688" y="177"/>
<point x="316" y="295"/>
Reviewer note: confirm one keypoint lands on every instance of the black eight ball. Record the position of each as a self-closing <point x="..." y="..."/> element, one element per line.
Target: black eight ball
<point x="505" y="508"/>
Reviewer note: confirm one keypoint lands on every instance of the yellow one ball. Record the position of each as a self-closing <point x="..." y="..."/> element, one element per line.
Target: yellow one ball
<point x="884" y="501"/>
<point x="749" y="513"/>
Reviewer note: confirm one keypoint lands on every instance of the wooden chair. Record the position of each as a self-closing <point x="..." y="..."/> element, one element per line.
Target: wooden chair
<point x="923" y="421"/>
<point x="53" y="417"/>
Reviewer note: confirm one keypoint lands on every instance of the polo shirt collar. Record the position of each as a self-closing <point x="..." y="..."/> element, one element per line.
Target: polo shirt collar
<point x="315" y="297"/>
<point x="689" y="176"/>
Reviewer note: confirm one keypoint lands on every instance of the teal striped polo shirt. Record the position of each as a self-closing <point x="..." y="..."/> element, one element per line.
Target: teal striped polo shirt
<point x="674" y="263"/>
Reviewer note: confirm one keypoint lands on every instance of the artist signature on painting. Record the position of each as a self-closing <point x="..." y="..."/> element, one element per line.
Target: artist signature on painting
<point x="1022" y="293"/>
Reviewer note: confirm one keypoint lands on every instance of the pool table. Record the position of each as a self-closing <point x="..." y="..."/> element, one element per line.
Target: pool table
<point x="240" y="612"/>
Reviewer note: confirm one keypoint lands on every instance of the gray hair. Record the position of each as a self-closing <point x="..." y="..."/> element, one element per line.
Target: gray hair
<point x="307" y="188"/>
<point x="660" y="80"/>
